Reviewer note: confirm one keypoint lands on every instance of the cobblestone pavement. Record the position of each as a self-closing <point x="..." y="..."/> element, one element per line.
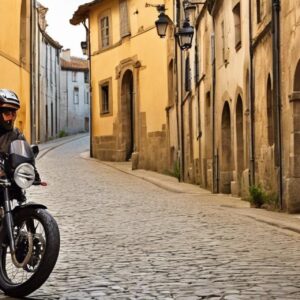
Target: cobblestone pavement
<point x="125" y="238"/>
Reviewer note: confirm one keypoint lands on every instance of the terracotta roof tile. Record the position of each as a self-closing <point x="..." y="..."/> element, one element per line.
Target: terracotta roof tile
<point x="75" y="63"/>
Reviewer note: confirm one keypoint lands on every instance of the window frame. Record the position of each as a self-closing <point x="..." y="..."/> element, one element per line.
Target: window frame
<point x="237" y="26"/>
<point x="106" y="83"/>
<point x="76" y="89"/>
<point x="105" y="15"/>
<point x="74" y="76"/>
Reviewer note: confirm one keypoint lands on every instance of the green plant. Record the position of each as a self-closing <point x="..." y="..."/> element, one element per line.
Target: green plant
<point x="175" y="172"/>
<point x="257" y="195"/>
<point x="62" y="133"/>
<point x="176" y="169"/>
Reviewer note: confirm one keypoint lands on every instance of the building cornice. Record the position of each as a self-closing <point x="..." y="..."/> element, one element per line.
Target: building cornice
<point x="83" y="10"/>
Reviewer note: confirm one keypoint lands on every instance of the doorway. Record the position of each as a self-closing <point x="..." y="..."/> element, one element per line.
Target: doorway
<point x="127" y="113"/>
<point x="226" y="156"/>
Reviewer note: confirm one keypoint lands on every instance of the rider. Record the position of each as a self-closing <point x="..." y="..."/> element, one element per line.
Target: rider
<point x="9" y="105"/>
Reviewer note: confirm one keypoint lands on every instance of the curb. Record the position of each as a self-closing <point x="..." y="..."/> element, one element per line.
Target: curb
<point x="280" y="220"/>
<point x="57" y="143"/>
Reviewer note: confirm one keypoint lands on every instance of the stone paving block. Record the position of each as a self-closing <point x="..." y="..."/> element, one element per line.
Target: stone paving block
<point x="125" y="238"/>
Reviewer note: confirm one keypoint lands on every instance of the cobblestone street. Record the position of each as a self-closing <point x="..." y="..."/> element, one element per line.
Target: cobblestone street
<point x="125" y="238"/>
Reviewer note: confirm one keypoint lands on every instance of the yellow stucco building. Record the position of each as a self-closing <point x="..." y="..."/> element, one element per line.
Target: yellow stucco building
<point x="129" y="81"/>
<point x="15" y="55"/>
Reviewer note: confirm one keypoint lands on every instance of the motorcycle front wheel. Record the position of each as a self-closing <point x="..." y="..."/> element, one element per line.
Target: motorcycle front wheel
<point x="37" y="244"/>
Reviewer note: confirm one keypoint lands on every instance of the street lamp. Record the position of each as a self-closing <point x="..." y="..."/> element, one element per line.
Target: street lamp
<point x="184" y="35"/>
<point x="162" y="22"/>
<point x="190" y="7"/>
<point x="84" y="47"/>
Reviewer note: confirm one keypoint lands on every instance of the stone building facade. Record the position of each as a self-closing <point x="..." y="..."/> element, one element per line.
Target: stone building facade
<point x="228" y="113"/>
<point x="48" y="87"/>
<point x="74" y="94"/>
<point x="128" y="81"/>
<point x="247" y="96"/>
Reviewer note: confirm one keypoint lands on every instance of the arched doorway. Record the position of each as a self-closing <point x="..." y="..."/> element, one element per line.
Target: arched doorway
<point x="226" y="154"/>
<point x="239" y="140"/>
<point x="293" y="190"/>
<point x="127" y="113"/>
<point x="297" y="78"/>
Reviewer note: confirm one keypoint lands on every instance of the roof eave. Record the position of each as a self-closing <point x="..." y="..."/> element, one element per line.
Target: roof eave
<point x="82" y="12"/>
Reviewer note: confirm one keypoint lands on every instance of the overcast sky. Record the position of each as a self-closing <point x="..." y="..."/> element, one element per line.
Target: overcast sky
<point x="59" y="27"/>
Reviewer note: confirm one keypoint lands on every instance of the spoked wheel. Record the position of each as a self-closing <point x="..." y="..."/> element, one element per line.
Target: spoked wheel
<point x="37" y="242"/>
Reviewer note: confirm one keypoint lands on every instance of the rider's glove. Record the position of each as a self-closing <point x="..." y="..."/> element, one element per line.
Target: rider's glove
<point x="37" y="179"/>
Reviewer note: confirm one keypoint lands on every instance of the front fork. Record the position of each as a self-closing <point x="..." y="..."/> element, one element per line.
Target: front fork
<point x="9" y="225"/>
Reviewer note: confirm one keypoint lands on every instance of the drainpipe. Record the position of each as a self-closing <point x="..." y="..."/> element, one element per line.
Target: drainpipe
<point x="251" y="103"/>
<point x="198" y="85"/>
<point x="88" y="35"/>
<point x="177" y="93"/>
<point x="32" y="72"/>
<point x="177" y="109"/>
<point x="182" y="163"/>
<point x="277" y="97"/>
<point x="215" y="182"/>
<point x="39" y="87"/>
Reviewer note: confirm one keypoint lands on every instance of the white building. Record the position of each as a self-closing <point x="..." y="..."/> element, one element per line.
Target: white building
<point x="47" y="114"/>
<point x="75" y="103"/>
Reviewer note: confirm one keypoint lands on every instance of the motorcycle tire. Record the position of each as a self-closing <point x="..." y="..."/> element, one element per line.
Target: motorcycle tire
<point x="44" y="254"/>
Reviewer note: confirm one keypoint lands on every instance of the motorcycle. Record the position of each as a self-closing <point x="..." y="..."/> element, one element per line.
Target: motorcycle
<point x="29" y="235"/>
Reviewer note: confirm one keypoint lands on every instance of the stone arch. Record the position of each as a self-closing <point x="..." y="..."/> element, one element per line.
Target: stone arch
<point x="127" y="113"/>
<point x="226" y="151"/>
<point x="270" y="113"/>
<point x="239" y="128"/>
<point x="297" y="78"/>
<point x="293" y="203"/>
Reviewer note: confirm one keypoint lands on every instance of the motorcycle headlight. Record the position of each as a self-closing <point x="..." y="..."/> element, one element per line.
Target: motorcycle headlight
<point x="24" y="175"/>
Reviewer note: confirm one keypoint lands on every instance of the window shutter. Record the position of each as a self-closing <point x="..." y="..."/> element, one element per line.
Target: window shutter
<point x="124" y="21"/>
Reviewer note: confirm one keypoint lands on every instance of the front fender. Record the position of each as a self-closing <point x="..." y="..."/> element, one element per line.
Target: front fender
<point x="27" y="205"/>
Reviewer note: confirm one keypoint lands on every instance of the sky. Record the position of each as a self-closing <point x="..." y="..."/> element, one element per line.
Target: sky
<point x="59" y="28"/>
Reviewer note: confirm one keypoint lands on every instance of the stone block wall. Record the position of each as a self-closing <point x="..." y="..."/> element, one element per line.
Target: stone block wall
<point x="153" y="154"/>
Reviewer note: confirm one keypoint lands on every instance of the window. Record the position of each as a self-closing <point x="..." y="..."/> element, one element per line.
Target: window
<point x="124" y="21"/>
<point x="51" y="67"/>
<point x="86" y="77"/>
<point x="105" y="97"/>
<point x="76" y="95"/>
<point x="86" y="97"/>
<point x="74" y="76"/>
<point x="105" y="30"/>
<point x="237" y="25"/>
<point x="258" y="11"/>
